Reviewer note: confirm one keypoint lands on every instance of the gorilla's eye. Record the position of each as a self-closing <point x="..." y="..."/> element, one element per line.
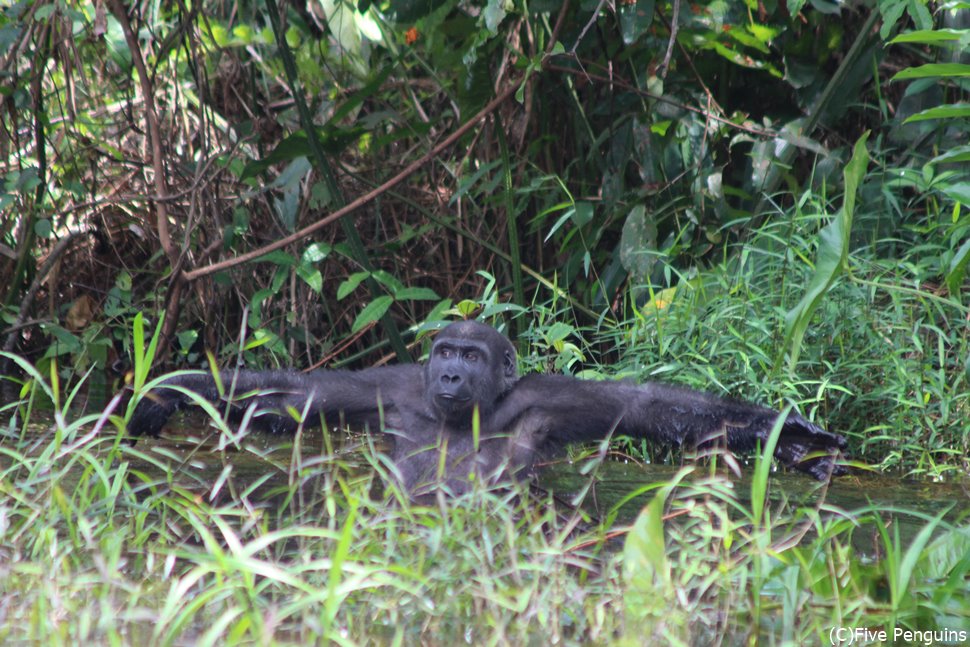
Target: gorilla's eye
<point x="472" y="356"/>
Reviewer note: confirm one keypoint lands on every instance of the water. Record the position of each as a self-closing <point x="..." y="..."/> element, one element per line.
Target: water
<point x="197" y="458"/>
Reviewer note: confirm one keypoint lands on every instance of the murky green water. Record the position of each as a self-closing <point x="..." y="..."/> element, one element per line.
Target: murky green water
<point x="598" y="486"/>
<point x="614" y="480"/>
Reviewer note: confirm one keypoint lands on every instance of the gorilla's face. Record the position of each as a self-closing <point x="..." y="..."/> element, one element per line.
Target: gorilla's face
<point x="471" y="365"/>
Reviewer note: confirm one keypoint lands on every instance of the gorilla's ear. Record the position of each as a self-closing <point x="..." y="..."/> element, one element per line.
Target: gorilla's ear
<point x="508" y="361"/>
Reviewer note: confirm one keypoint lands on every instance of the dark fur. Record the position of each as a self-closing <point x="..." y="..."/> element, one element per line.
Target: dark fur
<point x="429" y="410"/>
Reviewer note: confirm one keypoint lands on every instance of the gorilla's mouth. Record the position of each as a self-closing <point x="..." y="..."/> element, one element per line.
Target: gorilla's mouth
<point x="452" y="401"/>
<point x="452" y="398"/>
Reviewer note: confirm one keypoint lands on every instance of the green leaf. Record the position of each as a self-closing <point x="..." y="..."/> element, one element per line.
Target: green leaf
<point x="256" y="304"/>
<point x="959" y="192"/>
<point x="957" y="269"/>
<point x="42" y="228"/>
<point x="306" y="267"/>
<point x="750" y="38"/>
<point x="583" y="214"/>
<point x="290" y="148"/>
<point x="316" y="252"/>
<point x="256" y="341"/>
<point x="904" y="573"/>
<point x="854" y="172"/>
<point x="646" y="569"/>
<point x="311" y="276"/>
<point x="635" y="19"/>
<point x="416" y="294"/>
<point x="494" y="15"/>
<point x="263" y="336"/>
<point x="932" y="69"/>
<point x="343" y="27"/>
<point x="187" y="339"/>
<point x="143" y="355"/>
<point x="279" y="278"/>
<point x="645" y="564"/>
<point x="36" y="377"/>
<point x="351" y="284"/>
<point x="955" y="154"/>
<point x="948" y="111"/>
<point x="388" y="280"/>
<point x="557" y="332"/>
<point x="932" y="36"/>
<point x="638" y="244"/>
<point x="762" y="468"/>
<point x="438" y="312"/>
<point x="466" y="307"/>
<point x="920" y="14"/>
<point x="372" y="312"/>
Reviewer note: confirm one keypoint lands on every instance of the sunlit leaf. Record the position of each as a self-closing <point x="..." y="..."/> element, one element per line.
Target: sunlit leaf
<point x="315" y="252"/>
<point x="310" y="275"/>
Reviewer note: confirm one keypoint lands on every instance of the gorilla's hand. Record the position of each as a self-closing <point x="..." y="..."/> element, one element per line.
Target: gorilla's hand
<point x="809" y="448"/>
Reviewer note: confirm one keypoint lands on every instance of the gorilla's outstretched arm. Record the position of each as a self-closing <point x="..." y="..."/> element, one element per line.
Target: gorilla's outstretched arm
<point x="353" y="397"/>
<point x="565" y="409"/>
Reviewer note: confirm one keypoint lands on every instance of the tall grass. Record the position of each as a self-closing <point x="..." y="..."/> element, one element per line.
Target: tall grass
<point x="102" y="542"/>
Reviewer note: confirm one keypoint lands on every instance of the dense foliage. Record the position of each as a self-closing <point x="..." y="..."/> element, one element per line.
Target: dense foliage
<point x="765" y="199"/>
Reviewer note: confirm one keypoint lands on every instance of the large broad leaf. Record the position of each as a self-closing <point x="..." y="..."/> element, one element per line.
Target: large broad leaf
<point x="635" y="19"/>
<point x="833" y="254"/>
<point x="340" y="19"/>
<point x="638" y="244"/>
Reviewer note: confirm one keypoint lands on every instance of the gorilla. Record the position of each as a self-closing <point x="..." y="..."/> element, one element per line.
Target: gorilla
<point x="466" y="415"/>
